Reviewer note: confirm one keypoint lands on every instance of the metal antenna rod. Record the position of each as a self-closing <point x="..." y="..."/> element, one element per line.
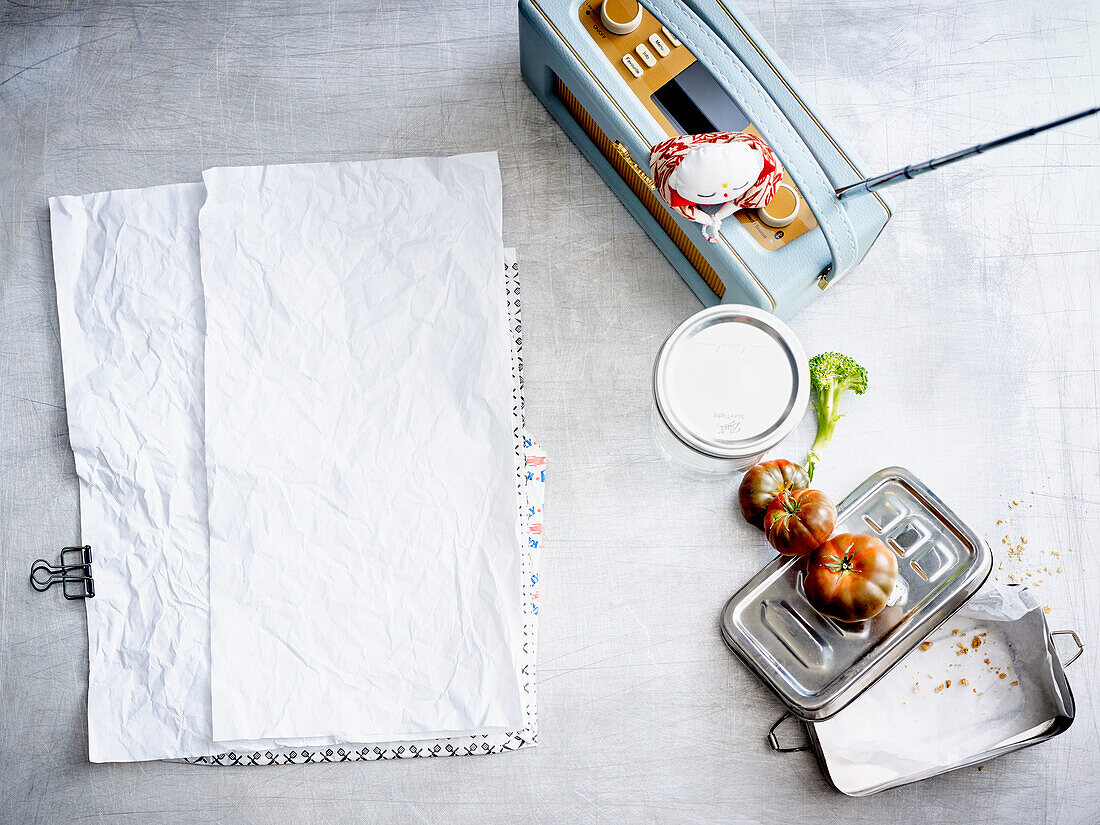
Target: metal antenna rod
<point x="899" y="175"/>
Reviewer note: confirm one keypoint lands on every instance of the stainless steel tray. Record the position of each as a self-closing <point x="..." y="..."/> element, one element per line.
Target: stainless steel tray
<point x="816" y="665"/>
<point x="887" y="738"/>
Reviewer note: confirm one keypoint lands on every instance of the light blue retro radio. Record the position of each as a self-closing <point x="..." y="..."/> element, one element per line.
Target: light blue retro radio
<point x="620" y="76"/>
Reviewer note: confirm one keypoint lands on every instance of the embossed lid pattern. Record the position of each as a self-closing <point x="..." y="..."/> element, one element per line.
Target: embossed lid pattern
<point x="731" y="381"/>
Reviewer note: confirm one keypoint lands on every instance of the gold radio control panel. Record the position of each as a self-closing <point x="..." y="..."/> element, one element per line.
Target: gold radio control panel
<point x="648" y="56"/>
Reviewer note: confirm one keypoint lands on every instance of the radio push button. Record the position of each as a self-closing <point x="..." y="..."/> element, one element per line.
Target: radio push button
<point x="632" y="65"/>
<point x="658" y="45"/>
<point x="669" y="36"/>
<point x="621" y="16"/>
<point x="646" y="55"/>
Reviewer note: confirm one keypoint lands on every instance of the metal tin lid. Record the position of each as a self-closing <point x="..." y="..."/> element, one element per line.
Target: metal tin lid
<point x="816" y="665"/>
<point x="731" y="381"/>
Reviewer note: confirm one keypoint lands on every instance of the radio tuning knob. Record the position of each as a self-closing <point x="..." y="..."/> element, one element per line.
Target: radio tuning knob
<point x="782" y="209"/>
<point x="621" y="16"/>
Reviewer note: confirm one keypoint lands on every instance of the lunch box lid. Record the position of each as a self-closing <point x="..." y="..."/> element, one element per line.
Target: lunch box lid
<point x="817" y="665"/>
<point x="731" y="381"/>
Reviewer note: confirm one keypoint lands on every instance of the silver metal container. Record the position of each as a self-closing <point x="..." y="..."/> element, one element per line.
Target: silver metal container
<point x="730" y="383"/>
<point x="816" y="665"/>
<point x="1008" y="692"/>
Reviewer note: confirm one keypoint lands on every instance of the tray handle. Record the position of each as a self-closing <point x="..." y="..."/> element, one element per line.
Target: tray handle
<point x="1073" y="635"/>
<point x="773" y="740"/>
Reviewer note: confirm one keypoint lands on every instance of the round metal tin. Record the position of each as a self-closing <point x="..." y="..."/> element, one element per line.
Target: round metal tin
<point x="730" y="383"/>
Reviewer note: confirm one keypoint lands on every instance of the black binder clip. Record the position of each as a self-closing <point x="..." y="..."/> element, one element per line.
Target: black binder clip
<point x="74" y="573"/>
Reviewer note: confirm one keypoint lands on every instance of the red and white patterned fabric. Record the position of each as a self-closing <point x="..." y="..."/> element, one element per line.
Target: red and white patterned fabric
<point x="667" y="155"/>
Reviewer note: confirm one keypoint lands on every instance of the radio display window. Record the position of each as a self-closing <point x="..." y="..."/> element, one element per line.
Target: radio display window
<point x="694" y="103"/>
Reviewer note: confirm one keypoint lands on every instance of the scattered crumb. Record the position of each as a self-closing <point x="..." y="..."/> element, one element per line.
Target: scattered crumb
<point x="964" y="683"/>
<point x="1046" y="608"/>
<point x="976" y="642"/>
<point x="1017" y="567"/>
<point x="1013" y="683"/>
<point x="925" y="645"/>
<point x="981" y="767"/>
<point x="1002" y="675"/>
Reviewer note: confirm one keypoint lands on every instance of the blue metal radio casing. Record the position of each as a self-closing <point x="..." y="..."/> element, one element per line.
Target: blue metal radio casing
<point x="604" y="90"/>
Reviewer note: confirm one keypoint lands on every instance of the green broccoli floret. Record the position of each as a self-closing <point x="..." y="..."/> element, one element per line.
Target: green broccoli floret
<point x="831" y="375"/>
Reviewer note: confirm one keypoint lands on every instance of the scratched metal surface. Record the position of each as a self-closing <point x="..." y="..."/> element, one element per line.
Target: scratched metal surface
<point x="976" y="313"/>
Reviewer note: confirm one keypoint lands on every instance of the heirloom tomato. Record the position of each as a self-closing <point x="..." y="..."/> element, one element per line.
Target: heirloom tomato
<point x="763" y="483"/>
<point x="799" y="521"/>
<point x="851" y="577"/>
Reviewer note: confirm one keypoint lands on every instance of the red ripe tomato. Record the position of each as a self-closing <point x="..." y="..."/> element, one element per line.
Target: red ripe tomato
<point x="763" y="483"/>
<point x="799" y="521"/>
<point x="850" y="577"/>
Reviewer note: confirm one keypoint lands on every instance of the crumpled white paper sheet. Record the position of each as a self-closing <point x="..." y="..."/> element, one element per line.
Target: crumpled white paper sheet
<point x="131" y="312"/>
<point x="329" y="749"/>
<point x="130" y="307"/>
<point x="902" y="728"/>
<point x="94" y="234"/>
<point x="362" y="453"/>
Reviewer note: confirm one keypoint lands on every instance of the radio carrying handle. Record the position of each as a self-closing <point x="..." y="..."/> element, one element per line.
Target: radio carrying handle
<point x="745" y="89"/>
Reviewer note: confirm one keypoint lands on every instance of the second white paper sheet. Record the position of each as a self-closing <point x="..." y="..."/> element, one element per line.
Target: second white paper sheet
<point x="130" y="308"/>
<point x="363" y="451"/>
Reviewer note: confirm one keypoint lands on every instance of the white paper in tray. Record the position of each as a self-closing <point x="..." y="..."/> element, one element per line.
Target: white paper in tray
<point x="130" y="308"/>
<point x="363" y="453"/>
<point x="982" y="681"/>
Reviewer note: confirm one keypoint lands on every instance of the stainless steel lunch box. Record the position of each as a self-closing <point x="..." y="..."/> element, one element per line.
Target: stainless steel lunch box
<point x="729" y="384"/>
<point x="819" y="667"/>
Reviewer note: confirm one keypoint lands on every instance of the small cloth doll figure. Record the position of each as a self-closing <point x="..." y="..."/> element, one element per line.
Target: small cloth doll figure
<point x="707" y="178"/>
